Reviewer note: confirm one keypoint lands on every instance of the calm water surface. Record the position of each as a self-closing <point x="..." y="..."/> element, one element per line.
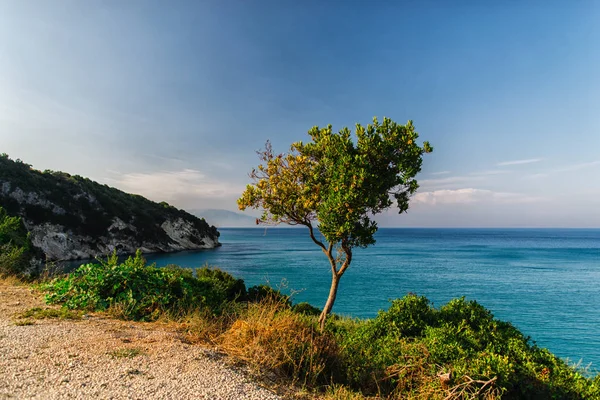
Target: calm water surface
<point x="546" y="281"/>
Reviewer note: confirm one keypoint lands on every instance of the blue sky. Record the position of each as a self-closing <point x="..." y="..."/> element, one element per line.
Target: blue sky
<point x="170" y="100"/>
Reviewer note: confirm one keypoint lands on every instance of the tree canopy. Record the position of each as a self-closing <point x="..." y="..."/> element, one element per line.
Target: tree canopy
<point x="338" y="181"/>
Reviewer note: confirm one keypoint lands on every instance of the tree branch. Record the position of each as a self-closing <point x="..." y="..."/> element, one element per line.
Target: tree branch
<point x="331" y="259"/>
<point x="348" y="251"/>
<point x="314" y="239"/>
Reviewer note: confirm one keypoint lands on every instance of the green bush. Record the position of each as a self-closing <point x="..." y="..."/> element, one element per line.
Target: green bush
<point x="138" y="291"/>
<point x="306" y="309"/>
<point x="234" y="289"/>
<point x="15" y="246"/>
<point x="259" y="293"/>
<point x="404" y="349"/>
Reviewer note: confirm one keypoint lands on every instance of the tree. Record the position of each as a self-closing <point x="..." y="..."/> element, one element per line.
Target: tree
<point x="338" y="182"/>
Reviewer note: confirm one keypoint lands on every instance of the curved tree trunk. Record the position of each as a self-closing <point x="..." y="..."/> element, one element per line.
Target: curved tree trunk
<point x="335" y="281"/>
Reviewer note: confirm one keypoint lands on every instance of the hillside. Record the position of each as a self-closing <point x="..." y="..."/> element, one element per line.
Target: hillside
<point x="71" y="217"/>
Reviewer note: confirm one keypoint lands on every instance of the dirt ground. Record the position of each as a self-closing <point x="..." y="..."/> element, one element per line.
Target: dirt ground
<point x="100" y="357"/>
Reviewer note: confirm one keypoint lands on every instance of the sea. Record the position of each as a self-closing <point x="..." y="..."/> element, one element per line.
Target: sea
<point x="544" y="281"/>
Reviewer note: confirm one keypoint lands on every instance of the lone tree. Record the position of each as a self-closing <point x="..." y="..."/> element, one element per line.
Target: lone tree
<point x="338" y="183"/>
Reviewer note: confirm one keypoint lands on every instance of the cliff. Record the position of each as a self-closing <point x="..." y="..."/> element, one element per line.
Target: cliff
<point x="71" y="217"/>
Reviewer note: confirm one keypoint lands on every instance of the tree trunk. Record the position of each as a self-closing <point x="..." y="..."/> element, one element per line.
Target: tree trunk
<point x="335" y="280"/>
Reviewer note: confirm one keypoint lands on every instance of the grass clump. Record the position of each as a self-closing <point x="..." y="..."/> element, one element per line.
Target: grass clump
<point x="24" y="322"/>
<point x="142" y="292"/>
<point x="127" y="352"/>
<point x="271" y="337"/>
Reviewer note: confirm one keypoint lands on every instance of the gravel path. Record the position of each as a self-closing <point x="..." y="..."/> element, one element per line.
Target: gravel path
<point x="104" y="358"/>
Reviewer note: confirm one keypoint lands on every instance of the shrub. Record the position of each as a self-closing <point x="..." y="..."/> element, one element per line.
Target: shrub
<point x="306" y="309"/>
<point x="261" y="293"/>
<point x="138" y="291"/>
<point x="402" y="351"/>
<point x="234" y="289"/>
<point x="15" y="246"/>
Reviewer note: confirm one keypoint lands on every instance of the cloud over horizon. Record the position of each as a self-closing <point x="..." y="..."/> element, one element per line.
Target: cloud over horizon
<point x="470" y="195"/>
<point x="519" y="162"/>
<point x="186" y="188"/>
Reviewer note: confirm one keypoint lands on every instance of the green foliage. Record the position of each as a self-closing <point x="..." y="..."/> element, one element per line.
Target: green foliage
<point x="234" y="289"/>
<point x="306" y="309"/>
<point x="139" y="291"/>
<point x="15" y="246"/>
<point x="462" y="337"/>
<point x="339" y="181"/>
<point x="260" y="293"/>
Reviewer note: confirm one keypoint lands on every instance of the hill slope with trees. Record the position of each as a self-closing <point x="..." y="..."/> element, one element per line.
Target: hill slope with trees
<point x="72" y="217"/>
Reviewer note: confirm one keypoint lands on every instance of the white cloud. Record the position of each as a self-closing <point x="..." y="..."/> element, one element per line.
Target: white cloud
<point x="449" y="181"/>
<point x="489" y="172"/>
<point x="577" y="167"/>
<point x="519" y="162"/>
<point x="183" y="188"/>
<point x="469" y="196"/>
<point x="535" y="176"/>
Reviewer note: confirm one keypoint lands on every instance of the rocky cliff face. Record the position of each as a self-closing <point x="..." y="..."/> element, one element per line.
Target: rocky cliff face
<point x="70" y="217"/>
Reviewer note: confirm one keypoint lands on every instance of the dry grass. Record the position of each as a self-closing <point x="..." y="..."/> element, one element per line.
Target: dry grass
<point x="127" y="352"/>
<point x="24" y="322"/>
<point x="269" y="336"/>
<point x="10" y="280"/>
<point x="340" y="392"/>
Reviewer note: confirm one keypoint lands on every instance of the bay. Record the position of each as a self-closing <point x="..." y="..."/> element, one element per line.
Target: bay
<point x="544" y="281"/>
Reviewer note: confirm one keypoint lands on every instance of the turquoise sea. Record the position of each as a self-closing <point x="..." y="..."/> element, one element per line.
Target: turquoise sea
<point x="545" y="281"/>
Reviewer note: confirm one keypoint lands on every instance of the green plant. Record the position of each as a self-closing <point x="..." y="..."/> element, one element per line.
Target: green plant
<point x="127" y="352"/>
<point x="306" y="309"/>
<point x="139" y="291"/>
<point x="340" y="182"/>
<point x="234" y="289"/>
<point x="15" y="246"/>
<point x="261" y="292"/>
<point x="403" y="351"/>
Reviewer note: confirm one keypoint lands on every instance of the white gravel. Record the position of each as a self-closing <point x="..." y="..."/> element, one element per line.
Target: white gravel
<point x="57" y="359"/>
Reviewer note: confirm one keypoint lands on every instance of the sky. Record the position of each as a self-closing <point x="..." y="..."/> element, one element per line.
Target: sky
<point x="171" y="100"/>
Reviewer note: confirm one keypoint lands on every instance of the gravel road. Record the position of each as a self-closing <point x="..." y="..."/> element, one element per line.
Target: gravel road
<point x="107" y="359"/>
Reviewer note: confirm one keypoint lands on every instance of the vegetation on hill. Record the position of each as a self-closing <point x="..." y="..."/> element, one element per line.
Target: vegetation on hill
<point x="87" y="208"/>
<point x="15" y="246"/>
<point x="412" y="350"/>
